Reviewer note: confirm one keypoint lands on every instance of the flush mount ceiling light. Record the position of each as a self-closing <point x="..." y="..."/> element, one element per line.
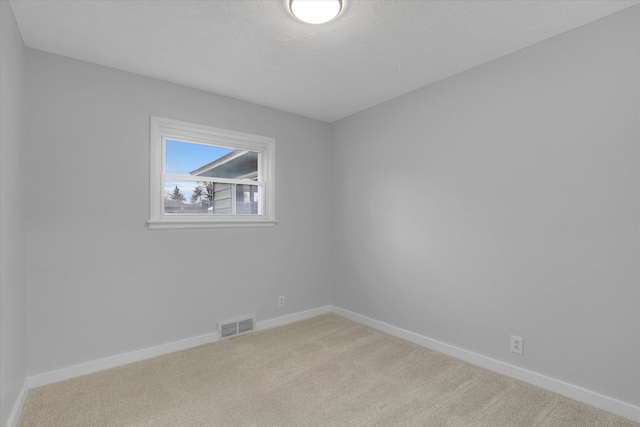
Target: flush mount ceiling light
<point x="315" y="11"/>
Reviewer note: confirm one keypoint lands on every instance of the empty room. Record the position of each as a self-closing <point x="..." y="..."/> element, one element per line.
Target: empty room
<point x="319" y="213"/>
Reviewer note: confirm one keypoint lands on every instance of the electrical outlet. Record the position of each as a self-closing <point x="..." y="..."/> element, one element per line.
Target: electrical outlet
<point x="281" y="301"/>
<point x="517" y="344"/>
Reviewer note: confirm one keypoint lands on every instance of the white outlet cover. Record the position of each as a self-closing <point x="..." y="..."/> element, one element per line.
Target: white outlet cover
<point x="517" y="344"/>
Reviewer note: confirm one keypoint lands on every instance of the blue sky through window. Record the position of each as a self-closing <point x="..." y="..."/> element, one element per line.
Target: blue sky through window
<point x="184" y="157"/>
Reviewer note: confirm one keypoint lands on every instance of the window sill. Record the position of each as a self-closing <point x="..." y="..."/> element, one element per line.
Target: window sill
<point x="185" y="223"/>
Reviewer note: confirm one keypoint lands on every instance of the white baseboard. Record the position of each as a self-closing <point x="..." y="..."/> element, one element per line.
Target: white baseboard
<point x="283" y="320"/>
<point x="118" y="360"/>
<point x="134" y="356"/>
<point x="598" y="400"/>
<point x="17" y="407"/>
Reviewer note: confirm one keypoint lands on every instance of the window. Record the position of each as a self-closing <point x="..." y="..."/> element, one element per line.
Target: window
<point x="204" y="177"/>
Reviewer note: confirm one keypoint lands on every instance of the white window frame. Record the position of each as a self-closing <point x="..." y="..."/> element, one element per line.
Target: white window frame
<point x="162" y="129"/>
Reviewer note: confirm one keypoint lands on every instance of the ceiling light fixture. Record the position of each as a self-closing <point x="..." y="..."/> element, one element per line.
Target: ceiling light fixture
<point x="315" y="11"/>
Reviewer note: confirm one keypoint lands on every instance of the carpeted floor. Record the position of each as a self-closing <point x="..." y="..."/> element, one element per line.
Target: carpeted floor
<point x="324" y="371"/>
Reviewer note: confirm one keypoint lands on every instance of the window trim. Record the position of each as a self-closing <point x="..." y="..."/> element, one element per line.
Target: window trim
<point x="162" y="128"/>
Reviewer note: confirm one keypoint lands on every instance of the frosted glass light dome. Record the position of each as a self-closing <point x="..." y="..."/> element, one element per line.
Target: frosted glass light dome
<point x="315" y="11"/>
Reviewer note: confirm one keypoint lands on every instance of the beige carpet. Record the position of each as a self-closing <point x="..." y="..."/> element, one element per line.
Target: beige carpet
<point x="324" y="371"/>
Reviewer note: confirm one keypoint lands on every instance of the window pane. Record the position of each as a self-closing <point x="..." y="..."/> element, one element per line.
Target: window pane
<point x="209" y="198"/>
<point x="211" y="161"/>
<point x="187" y="197"/>
<point x="247" y="199"/>
<point x="182" y="158"/>
<point x="222" y="199"/>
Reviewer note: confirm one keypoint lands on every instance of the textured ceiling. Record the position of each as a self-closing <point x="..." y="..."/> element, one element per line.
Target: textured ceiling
<point x="256" y="51"/>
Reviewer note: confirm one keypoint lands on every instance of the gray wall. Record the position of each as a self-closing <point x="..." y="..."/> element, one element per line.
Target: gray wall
<point x="505" y="200"/>
<point x="12" y="278"/>
<point x="99" y="283"/>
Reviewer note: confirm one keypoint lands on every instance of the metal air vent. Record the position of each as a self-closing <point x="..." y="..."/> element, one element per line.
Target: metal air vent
<point x="231" y="328"/>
